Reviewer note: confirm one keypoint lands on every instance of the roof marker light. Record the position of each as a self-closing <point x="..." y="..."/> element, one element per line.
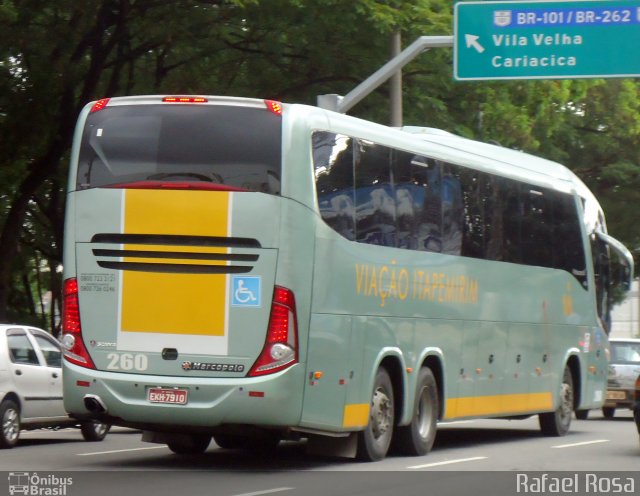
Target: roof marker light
<point x="273" y="106"/>
<point x="99" y="105"/>
<point x="184" y="99"/>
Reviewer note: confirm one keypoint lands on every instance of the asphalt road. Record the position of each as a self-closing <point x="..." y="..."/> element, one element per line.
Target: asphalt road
<point x="486" y="455"/>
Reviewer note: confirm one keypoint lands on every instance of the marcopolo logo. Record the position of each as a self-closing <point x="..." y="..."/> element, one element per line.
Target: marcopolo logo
<point x="213" y="367"/>
<point x="32" y="484"/>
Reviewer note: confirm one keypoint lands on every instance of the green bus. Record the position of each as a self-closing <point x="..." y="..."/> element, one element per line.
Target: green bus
<point x="254" y="271"/>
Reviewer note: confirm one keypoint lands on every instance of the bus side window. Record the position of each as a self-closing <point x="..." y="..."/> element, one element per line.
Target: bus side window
<point x="409" y="196"/>
<point x="569" y="253"/>
<point x="473" y="228"/>
<point x="537" y="226"/>
<point x="333" y="164"/>
<point x="375" y="199"/>
<point x="452" y="211"/>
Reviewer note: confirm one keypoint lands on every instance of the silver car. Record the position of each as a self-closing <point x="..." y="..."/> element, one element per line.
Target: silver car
<point x="624" y="368"/>
<point x="31" y="386"/>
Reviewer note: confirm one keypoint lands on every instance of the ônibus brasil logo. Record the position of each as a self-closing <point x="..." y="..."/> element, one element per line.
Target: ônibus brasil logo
<point x="32" y="484"/>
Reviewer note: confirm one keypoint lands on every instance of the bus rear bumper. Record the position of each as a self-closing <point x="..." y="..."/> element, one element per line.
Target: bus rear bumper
<point x="272" y="400"/>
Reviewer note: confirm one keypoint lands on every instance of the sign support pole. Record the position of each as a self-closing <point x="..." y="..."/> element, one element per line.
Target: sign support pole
<point x="344" y="104"/>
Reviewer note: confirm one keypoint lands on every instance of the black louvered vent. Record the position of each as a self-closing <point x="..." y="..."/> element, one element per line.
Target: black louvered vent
<point x="212" y="263"/>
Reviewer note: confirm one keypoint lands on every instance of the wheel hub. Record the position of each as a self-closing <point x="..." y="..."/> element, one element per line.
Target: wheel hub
<point x="10" y="425"/>
<point x="381" y="414"/>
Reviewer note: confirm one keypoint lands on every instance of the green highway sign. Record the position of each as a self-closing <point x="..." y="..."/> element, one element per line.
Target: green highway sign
<point x="546" y="39"/>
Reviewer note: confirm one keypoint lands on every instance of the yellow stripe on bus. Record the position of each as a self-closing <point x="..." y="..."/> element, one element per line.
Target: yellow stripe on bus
<point x="502" y="404"/>
<point x="356" y="415"/>
<point x="191" y="304"/>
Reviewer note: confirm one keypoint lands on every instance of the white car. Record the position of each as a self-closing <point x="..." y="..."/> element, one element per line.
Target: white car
<point x="31" y="386"/>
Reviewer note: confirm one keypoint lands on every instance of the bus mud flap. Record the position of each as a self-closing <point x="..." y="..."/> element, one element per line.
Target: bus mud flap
<point x="344" y="447"/>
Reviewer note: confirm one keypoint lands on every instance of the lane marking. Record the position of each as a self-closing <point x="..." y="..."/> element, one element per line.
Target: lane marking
<point x="449" y="462"/>
<point x="120" y="451"/>
<point x="585" y="443"/>
<point x="267" y="491"/>
<point x="48" y="431"/>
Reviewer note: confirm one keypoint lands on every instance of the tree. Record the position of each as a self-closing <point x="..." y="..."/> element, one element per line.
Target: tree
<point x="57" y="56"/>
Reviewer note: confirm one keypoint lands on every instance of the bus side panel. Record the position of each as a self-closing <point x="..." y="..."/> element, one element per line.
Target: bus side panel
<point x="330" y="369"/>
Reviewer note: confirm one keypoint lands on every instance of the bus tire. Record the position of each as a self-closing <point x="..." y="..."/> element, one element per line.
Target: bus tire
<point x="557" y="423"/>
<point x="374" y="441"/>
<point x="262" y="443"/>
<point x="9" y="424"/>
<point x="608" y="412"/>
<point x="94" y="430"/>
<point x="582" y="414"/>
<point x="189" y="444"/>
<point x="416" y="439"/>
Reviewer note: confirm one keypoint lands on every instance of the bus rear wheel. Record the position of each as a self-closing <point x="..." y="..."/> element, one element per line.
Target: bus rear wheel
<point x="264" y="443"/>
<point x="189" y="444"/>
<point x="582" y="414"/>
<point x="374" y="441"/>
<point x="608" y="412"/>
<point x="557" y="423"/>
<point x="416" y="439"/>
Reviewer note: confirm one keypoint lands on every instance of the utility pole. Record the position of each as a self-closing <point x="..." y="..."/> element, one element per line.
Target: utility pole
<point x="395" y="84"/>
<point x="343" y="104"/>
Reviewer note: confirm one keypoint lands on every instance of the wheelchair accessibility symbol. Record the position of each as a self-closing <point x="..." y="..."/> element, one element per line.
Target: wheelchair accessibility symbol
<point x="245" y="291"/>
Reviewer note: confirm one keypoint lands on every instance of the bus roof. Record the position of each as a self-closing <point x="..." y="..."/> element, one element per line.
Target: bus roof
<point x="441" y="144"/>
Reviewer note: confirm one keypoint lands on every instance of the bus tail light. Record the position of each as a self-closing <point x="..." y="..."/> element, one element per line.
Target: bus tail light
<point x="74" y="349"/>
<point x="281" y="345"/>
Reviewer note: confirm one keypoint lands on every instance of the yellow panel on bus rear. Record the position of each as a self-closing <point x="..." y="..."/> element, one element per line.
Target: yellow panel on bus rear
<point x="157" y="302"/>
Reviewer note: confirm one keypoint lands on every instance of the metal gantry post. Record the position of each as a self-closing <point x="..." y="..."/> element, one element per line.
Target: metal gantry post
<point x="343" y="104"/>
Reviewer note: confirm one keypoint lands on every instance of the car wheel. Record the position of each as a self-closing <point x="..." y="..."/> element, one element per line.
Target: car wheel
<point x="94" y="430"/>
<point x="10" y="418"/>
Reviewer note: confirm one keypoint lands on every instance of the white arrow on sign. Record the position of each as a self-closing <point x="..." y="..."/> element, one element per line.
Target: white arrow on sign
<point x="472" y="41"/>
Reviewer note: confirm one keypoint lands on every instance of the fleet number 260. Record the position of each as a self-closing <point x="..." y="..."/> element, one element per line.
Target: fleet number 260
<point x="127" y="361"/>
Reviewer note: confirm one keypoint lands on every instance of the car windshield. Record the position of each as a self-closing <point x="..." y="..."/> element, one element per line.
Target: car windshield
<point x="625" y="353"/>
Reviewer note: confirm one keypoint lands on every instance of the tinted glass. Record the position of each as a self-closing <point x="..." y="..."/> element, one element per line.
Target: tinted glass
<point x="537" y="226"/>
<point x="410" y="191"/>
<point x="235" y="146"/>
<point x="374" y="195"/>
<point x="333" y="163"/>
<point x="378" y="195"/>
<point x="568" y="251"/>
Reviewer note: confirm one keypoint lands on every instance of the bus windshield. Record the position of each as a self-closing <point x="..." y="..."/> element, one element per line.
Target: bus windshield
<point x="148" y="145"/>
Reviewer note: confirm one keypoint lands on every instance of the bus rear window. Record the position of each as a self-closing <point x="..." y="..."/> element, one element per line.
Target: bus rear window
<point x="236" y="147"/>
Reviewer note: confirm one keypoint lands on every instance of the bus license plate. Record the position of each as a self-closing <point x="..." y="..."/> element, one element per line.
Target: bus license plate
<point x="167" y="395"/>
